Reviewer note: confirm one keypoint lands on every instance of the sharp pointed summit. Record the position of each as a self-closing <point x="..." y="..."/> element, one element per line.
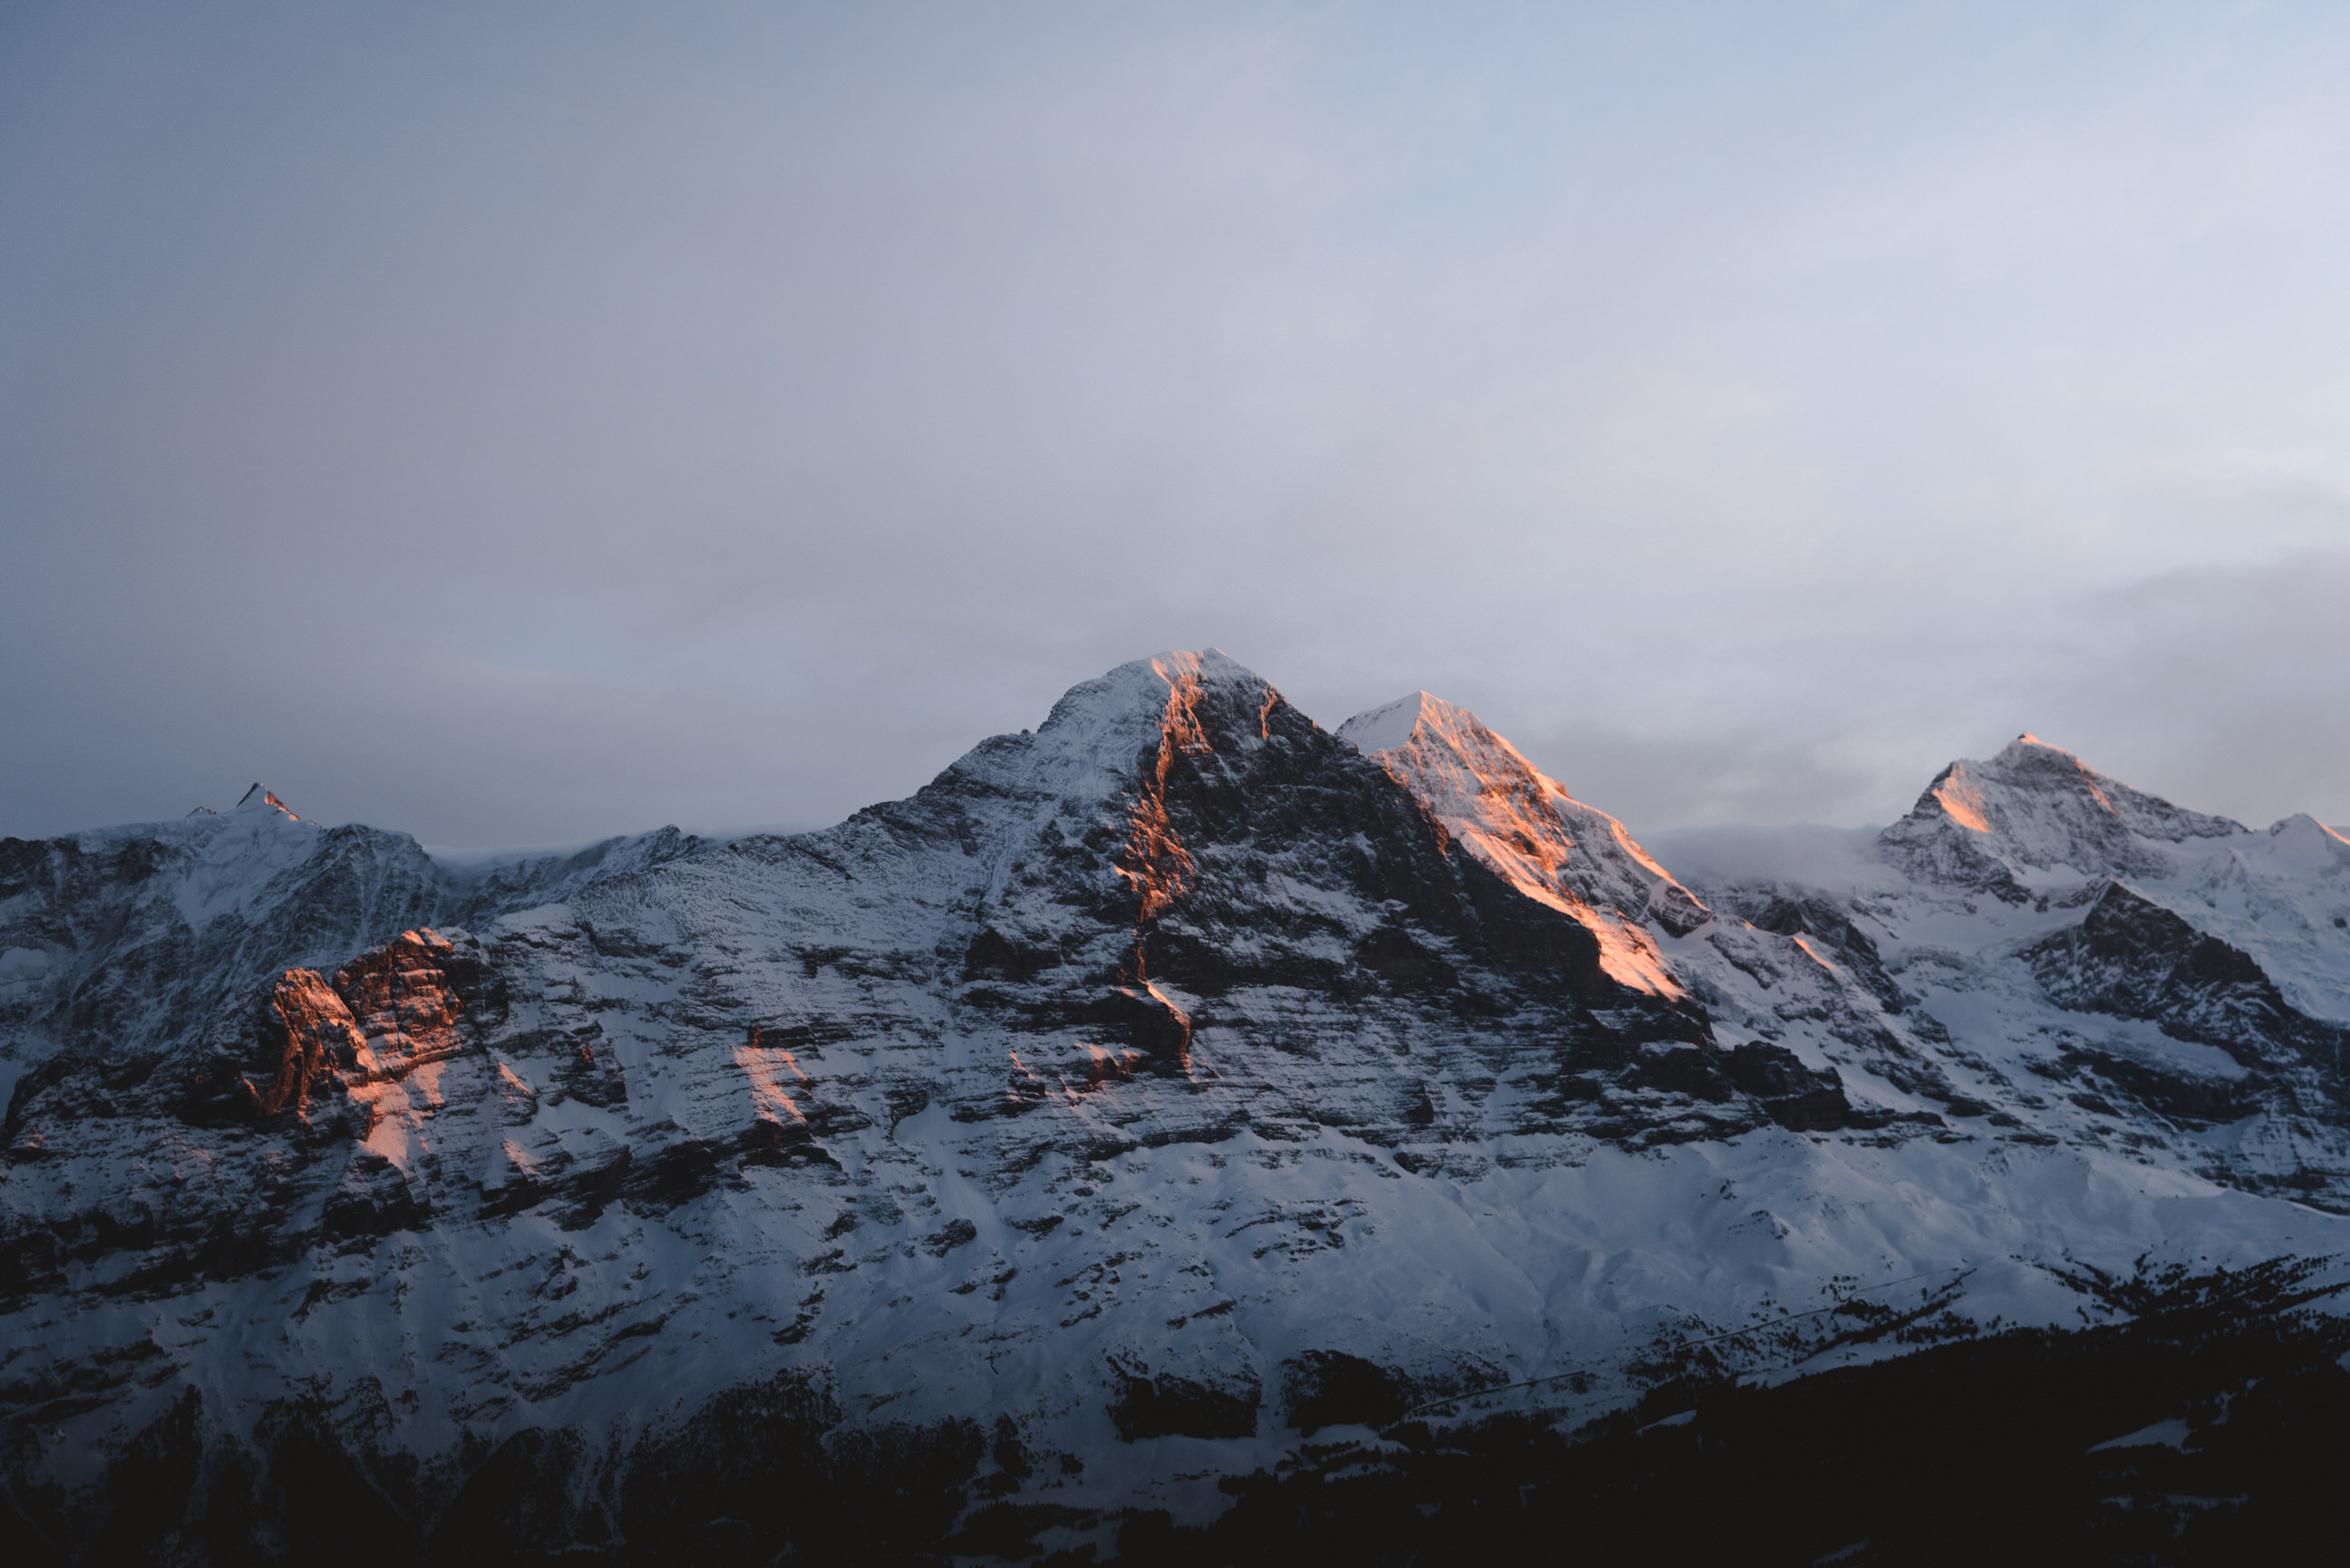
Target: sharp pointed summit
<point x="2033" y="808"/>
<point x="260" y="798"/>
<point x="1524" y="824"/>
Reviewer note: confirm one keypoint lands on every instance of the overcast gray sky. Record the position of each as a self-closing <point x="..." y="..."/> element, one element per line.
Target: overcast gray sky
<point x="515" y="423"/>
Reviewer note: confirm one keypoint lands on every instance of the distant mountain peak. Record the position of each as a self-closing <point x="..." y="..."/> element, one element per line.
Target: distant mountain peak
<point x="2038" y="807"/>
<point x="260" y="798"/>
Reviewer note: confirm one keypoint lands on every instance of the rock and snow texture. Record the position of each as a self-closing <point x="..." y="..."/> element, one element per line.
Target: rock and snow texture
<point x="1112" y="1089"/>
<point x="2034" y="809"/>
<point x="1548" y="845"/>
<point x="2107" y="966"/>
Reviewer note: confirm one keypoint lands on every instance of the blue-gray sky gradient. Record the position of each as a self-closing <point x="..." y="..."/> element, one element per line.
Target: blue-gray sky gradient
<point x="518" y="423"/>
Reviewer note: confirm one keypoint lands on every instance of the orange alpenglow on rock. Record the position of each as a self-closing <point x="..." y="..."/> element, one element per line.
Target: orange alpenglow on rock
<point x="1524" y="825"/>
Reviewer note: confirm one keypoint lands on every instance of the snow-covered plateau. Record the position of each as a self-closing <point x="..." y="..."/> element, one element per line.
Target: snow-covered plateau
<point x="1148" y="1101"/>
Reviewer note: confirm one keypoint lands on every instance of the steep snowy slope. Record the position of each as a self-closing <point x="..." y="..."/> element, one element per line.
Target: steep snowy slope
<point x="1144" y="1092"/>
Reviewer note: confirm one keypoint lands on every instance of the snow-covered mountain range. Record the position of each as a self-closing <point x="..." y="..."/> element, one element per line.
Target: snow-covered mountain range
<point x="1147" y="1094"/>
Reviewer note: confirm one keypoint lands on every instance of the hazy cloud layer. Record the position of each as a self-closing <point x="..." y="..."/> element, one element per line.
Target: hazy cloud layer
<point x="519" y="425"/>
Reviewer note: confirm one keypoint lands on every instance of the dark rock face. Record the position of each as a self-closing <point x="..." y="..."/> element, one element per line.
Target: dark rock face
<point x="1171" y="1407"/>
<point x="1331" y="1389"/>
<point x="1243" y="852"/>
<point x="1797" y="1097"/>
<point x="2133" y="958"/>
<point x="2190" y="1101"/>
<point x="279" y="1094"/>
<point x="1816" y="915"/>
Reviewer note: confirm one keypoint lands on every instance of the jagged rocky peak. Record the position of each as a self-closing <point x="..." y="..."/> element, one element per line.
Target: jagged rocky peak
<point x="260" y="797"/>
<point x="1183" y="851"/>
<point x="2035" y="807"/>
<point x="1524" y="825"/>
